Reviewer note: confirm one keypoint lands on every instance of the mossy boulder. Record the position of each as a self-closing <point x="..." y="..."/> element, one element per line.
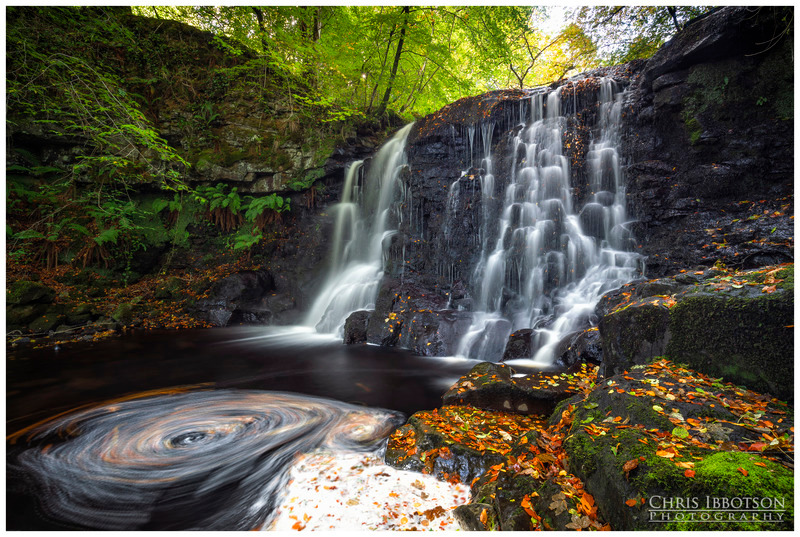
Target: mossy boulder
<point x="123" y="313"/>
<point x="744" y="340"/>
<point x="492" y="386"/>
<point x="664" y="432"/>
<point x="737" y="326"/>
<point x="27" y="292"/>
<point x="47" y="322"/>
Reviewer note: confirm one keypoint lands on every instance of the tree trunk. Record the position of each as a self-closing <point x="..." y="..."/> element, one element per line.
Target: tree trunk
<point x="262" y="31"/>
<point x="385" y="101"/>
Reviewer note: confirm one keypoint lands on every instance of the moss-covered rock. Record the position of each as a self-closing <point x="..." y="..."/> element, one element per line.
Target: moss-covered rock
<point x="664" y="433"/>
<point x="27" y="292"/>
<point x="124" y="313"/>
<point x="492" y="386"/>
<point x="734" y="325"/>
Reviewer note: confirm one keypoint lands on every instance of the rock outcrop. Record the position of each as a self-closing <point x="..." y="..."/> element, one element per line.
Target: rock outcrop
<point x="709" y="144"/>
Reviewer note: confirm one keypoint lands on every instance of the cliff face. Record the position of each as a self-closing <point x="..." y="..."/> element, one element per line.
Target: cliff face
<point x="709" y="123"/>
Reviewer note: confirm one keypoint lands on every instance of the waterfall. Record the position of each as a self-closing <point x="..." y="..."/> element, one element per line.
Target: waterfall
<point x="543" y="256"/>
<point x="548" y="264"/>
<point x="365" y="220"/>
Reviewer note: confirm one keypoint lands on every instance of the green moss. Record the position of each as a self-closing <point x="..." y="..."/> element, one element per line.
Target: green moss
<point x="743" y="340"/>
<point x="583" y="452"/>
<point x="774" y="82"/>
<point x="693" y="128"/>
<point x="721" y="478"/>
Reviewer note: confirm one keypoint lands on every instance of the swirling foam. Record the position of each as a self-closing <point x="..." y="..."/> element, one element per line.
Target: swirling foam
<point x="213" y="460"/>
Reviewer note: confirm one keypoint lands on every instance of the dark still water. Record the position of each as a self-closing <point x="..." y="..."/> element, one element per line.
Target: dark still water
<point x="210" y="455"/>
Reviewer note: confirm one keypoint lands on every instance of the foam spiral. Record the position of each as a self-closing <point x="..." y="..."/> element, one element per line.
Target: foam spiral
<point x="213" y="460"/>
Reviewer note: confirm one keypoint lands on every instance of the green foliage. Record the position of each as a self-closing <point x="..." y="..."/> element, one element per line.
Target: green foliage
<point x="258" y="206"/>
<point x="336" y="64"/>
<point x="79" y="96"/>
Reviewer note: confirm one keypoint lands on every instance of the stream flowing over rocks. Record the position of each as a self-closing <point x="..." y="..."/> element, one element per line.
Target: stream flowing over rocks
<point x="627" y="232"/>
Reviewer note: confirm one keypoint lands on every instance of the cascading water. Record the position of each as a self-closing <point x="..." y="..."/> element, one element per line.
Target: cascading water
<point x="366" y="219"/>
<point x="549" y="265"/>
<point x="541" y="263"/>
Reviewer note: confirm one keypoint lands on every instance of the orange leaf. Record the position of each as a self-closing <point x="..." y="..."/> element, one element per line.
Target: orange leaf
<point x="666" y="454"/>
<point x="689" y="473"/>
<point x="632" y="502"/>
<point x="484" y="516"/>
<point x="761" y="464"/>
<point x="742" y="471"/>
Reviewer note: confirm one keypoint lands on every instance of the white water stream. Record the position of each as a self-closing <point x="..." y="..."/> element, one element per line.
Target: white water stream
<point x="550" y="264"/>
<point x="367" y="216"/>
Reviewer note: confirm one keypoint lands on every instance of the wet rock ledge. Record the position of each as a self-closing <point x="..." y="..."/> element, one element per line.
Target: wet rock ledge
<point x="609" y="454"/>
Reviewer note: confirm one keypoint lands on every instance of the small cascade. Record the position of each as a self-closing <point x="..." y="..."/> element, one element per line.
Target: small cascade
<point x="365" y="221"/>
<point x="549" y="264"/>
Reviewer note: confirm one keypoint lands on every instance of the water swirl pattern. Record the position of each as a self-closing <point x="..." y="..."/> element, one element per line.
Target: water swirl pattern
<point x="209" y="460"/>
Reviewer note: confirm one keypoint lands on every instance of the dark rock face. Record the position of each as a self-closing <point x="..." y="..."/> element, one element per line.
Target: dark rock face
<point x="241" y="298"/>
<point x="355" y="327"/>
<point x="710" y="145"/>
<point x="737" y="327"/>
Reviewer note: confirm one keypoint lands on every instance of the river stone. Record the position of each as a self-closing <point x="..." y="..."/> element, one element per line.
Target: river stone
<point x="491" y="386"/>
<point x="355" y="327"/>
<point x="468" y="516"/>
<point x="519" y="345"/>
<point x="580" y="347"/>
<point x="463" y="461"/>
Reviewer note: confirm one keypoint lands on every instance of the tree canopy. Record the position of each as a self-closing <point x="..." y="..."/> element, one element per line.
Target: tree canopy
<point x="410" y="59"/>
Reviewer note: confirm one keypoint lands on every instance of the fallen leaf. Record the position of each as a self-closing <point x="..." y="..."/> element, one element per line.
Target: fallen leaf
<point x="632" y="502"/>
<point x="742" y="471"/>
<point x="484" y="516"/>
<point x="689" y="473"/>
<point x="629" y="466"/>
